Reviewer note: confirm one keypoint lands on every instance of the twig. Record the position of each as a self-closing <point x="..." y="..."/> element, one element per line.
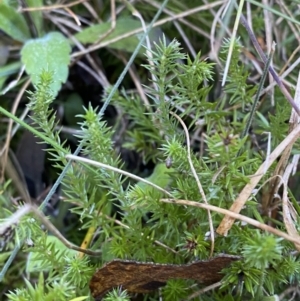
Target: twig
<point x="211" y="226"/>
<point x="31" y="208"/>
<point x="233" y="216"/>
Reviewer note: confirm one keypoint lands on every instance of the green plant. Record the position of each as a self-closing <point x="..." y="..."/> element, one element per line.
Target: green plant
<point x="134" y="220"/>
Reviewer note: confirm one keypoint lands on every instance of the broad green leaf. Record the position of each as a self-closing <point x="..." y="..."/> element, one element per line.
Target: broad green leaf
<point x="93" y="33"/>
<point x="37" y="16"/>
<point x="160" y="177"/>
<point x="50" y="53"/>
<point x="13" y="23"/>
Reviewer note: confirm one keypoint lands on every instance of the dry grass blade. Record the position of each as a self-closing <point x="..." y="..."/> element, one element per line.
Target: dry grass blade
<point x="5" y="149"/>
<point x="238" y="204"/>
<point x="120" y="171"/>
<point x="156" y="24"/>
<point x="234" y="216"/>
<point x="288" y="212"/>
<point x="269" y="39"/>
<point x="262" y="55"/>
<point x="282" y="164"/>
<point x="27" y="208"/>
<point x="235" y="27"/>
<point x="202" y="193"/>
<point x="50" y="7"/>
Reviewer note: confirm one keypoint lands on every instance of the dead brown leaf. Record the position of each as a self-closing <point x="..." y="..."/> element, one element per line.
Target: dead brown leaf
<point x="140" y="277"/>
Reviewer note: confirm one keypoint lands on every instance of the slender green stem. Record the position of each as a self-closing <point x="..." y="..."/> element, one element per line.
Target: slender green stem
<point x="32" y="130"/>
<point x="271" y="69"/>
<point x="10" y="260"/>
<point x="260" y="87"/>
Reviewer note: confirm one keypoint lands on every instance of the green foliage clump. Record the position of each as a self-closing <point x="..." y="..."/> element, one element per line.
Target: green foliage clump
<point x="132" y="220"/>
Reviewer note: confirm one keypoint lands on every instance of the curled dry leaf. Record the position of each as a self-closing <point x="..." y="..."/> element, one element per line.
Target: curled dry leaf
<point x="140" y="277"/>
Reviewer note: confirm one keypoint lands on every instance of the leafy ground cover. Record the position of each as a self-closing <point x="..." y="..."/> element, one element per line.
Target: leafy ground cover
<point x="163" y="132"/>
